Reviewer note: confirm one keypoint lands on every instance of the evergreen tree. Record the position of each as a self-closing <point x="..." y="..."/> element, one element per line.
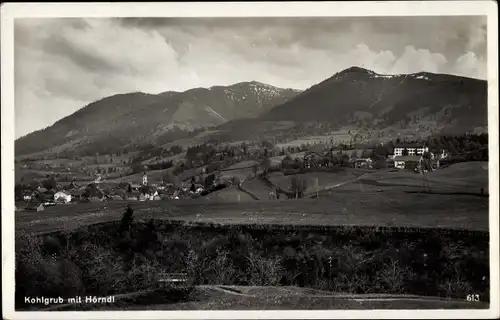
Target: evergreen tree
<point x="127" y="219"/>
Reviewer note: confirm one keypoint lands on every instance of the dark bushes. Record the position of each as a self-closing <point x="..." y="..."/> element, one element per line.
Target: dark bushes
<point x="101" y="261"/>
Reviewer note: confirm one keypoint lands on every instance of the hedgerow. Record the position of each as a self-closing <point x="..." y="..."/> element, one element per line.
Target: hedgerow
<point x="121" y="257"/>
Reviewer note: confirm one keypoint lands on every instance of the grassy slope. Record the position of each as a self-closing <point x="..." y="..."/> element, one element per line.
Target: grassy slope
<point x="468" y="176"/>
<point x="340" y="208"/>
<point x="230" y="194"/>
<point x="325" y="179"/>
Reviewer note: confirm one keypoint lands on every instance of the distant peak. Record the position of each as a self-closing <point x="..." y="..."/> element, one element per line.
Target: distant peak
<point x="257" y="82"/>
<point x="355" y="69"/>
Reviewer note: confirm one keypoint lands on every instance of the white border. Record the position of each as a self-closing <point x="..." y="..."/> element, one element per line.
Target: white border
<point x="10" y="11"/>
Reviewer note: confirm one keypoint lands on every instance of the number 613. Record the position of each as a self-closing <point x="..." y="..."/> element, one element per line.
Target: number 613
<point x="472" y="297"/>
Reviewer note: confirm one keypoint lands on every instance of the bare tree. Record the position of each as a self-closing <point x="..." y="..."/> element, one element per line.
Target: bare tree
<point x="255" y="168"/>
<point x="265" y="164"/>
<point x="298" y="186"/>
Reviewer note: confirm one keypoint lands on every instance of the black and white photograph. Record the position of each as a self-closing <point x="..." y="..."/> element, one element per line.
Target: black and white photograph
<point x="250" y="158"/>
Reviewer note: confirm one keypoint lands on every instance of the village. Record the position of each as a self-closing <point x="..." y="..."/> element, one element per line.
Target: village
<point x="202" y="174"/>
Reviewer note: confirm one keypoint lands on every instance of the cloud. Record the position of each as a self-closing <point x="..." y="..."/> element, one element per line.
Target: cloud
<point x="470" y="65"/>
<point x="62" y="65"/>
<point x="416" y="60"/>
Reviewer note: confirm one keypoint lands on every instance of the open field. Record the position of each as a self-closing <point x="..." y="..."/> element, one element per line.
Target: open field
<point x="237" y="173"/>
<point x="200" y="138"/>
<point x="324" y="179"/>
<point x="231" y="194"/>
<point x="461" y="177"/>
<point x="244" y="164"/>
<point x="339" y="208"/>
<point x="258" y="188"/>
<point x="339" y="136"/>
<point x="276" y="160"/>
<point x="154" y="176"/>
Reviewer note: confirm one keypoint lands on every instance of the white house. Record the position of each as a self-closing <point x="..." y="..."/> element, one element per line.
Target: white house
<point x="62" y="197"/>
<point x="27" y="197"/>
<point x="149" y="196"/>
<point x="413" y="150"/>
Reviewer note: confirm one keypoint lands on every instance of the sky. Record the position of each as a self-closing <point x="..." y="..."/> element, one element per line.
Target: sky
<point x="63" y="64"/>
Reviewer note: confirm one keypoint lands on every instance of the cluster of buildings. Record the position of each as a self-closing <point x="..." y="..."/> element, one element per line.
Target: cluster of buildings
<point x="411" y="156"/>
<point x="405" y="157"/>
<point x="102" y="191"/>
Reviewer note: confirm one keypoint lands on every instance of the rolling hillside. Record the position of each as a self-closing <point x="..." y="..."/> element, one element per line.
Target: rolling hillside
<point x="356" y="94"/>
<point x="113" y="123"/>
<point x="423" y="102"/>
<point x="388" y="105"/>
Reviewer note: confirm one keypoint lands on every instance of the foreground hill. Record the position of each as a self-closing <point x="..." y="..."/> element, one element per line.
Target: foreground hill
<point x="110" y="124"/>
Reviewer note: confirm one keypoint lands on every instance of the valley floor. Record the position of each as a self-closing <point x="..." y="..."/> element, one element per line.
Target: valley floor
<point x="340" y="208"/>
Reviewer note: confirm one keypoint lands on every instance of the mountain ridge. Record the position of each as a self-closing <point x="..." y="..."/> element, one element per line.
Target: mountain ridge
<point x="144" y="116"/>
<point x="384" y="95"/>
<point x="352" y="97"/>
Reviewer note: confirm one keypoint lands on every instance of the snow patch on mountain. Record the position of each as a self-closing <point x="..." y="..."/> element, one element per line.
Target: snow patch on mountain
<point x="262" y="89"/>
<point x="383" y="76"/>
<point x="422" y="77"/>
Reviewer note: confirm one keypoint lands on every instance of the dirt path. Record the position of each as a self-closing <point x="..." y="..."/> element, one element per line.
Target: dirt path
<point x="328" y="188"/>
<point x="242" y="297"/>
<point x="241" y="188"/>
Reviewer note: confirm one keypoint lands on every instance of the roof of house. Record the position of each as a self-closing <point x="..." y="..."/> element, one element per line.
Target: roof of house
<point x="408" y="158"/>
<point x="312" y="154"/>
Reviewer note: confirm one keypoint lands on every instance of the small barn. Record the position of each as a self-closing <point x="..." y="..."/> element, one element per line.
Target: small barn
<point x="407" y="162"/>
<point x="315" y="160"/>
